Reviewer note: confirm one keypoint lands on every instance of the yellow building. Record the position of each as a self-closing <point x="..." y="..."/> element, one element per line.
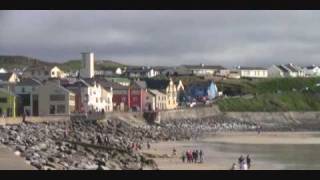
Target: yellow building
<point x="168" y="87"/>
<point x="7" y="103"/>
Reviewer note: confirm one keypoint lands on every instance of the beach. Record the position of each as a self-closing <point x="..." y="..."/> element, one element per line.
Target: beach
<point x="268" y="151"/>
<point x="9" y="161"/>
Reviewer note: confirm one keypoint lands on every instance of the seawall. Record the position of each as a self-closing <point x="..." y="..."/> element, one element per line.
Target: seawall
<point x="189" y="113"/>
<point x="268" y="120"/>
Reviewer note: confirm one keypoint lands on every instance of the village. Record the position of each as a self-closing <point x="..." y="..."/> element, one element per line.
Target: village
<point x="47" y="91"/>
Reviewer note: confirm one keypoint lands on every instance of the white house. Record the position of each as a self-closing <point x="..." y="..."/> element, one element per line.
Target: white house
<point x="286" y="70"/>
<point x="252" y="72"/>
<point x="312" y="71"/>
<point x="141" y="72"/>
<point x="91" y="96"/>
<point x="202" y="70"/>
<point x="55" y="72"/>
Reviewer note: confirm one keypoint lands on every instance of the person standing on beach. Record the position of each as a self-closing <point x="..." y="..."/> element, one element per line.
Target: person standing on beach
<point x="240" y="160"/>
<point x="183" y="157"/>
<point x="248" y="161"/>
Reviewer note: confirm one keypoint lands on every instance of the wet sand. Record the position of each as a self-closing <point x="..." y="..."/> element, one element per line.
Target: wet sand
<point x="9" y="161"/>
<point x="220" y="151"/>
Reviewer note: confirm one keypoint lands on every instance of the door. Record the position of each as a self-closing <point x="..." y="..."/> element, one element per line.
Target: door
<point x="35" y="105"/>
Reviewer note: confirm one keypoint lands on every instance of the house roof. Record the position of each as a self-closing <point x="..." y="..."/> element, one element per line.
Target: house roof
<point x="200" y="83"/>
<point x="139" y="84"/>
<point x="251" y="68"/>
<point x="311" y="67"/>
<point x="155" y="92"/>
<point x="5" y="76"/>
<point x="108" y="84"/>
<point x="204" y="67"/>
<point x="157" y="83"/>
<point x="282" y="68"/>
<point x="291" y="67"/>
<point x="29" y="82"/>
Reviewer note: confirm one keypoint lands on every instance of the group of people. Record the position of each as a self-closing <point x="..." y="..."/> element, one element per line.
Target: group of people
<point x="244" y="163"/>
<point x="193" y="156"/>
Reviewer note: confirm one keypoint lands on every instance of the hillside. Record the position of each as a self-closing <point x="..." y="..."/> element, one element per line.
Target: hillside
<point x="10" y="62"/>
<point x="283" y="94"/>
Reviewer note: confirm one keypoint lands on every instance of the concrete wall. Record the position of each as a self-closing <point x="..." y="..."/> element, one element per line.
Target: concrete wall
<point x="302" y="120"/>
<point x="196" y="112"/>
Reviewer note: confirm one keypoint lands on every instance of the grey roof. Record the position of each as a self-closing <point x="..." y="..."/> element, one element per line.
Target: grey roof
<point x="139" y="84"/>
<point x="29" y="82"/>
<point x="251" y="68"/>
<point x="5" y="76"/>
<point x="156" y="92"/>
<point x="157" y="84"/>
<point x="311" y="67"/>
<point x="282" y="68"/>
<point x="204" y="67"/>
<point x="291" y="68"/>
<point x="108" y="84"/>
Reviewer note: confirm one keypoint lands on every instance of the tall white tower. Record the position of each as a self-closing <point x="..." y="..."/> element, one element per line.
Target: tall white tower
<point x="87" y="70"/>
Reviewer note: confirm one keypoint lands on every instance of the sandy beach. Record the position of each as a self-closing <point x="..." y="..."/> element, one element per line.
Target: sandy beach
<point x="220" y="152"/>
<point x="9" y="161"/>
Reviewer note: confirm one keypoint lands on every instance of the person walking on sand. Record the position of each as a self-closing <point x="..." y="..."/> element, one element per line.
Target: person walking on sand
<point x="201" y="156"/>
<point x="174" y="152"/>
<point x="148" y="145"/>
<point x="248" y="161"/>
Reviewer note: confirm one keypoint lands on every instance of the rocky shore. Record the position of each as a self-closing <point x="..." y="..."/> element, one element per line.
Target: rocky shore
<point x="104" y="145"/>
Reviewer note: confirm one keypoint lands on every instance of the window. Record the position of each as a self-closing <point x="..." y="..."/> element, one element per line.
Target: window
<point x="57" y="97"/>
<point x="3" y="100"/>
<point x="97" y="100"/>
<point x="23" y="90"/>
<point x="61" y="109"/>
<point x="72" y="98"/>
<point x="52" y="73"/>
<point x="52" y="109"/>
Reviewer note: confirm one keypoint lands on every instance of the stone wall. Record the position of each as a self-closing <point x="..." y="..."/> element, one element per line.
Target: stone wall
<point x="34" y="119"/>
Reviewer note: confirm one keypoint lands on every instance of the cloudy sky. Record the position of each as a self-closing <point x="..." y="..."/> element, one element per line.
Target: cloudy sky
<point x="253" y="38"/>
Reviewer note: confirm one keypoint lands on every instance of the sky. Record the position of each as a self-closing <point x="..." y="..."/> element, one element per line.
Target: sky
<point x="217" y="37"/>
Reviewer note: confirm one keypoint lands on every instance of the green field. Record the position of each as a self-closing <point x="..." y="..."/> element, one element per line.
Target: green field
<point x="285" y="94"/>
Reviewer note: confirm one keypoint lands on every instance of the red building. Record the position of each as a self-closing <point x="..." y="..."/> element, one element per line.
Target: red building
<point x="127" y="98"/>
<point x="137" y="95"/>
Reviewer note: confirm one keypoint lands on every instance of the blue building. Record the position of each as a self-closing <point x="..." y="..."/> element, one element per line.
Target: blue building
<point x="201" y="90"/>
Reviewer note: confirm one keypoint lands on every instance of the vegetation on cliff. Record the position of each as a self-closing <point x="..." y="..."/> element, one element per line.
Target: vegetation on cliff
<point x="282" y="94"/>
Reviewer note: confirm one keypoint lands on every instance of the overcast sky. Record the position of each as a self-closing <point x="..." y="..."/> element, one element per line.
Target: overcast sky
<point x="252" y="38"/>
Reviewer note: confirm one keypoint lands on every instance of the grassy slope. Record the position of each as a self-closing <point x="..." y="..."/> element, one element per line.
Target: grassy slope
<point x="266" y="97"/>
<point x="10" y="62"/>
